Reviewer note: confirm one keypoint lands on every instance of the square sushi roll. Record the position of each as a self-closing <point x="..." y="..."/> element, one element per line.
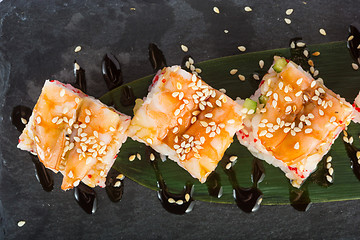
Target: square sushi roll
<point x="292" y="120"/>
<point x="185" y="119"/>
<point x="75" y="134"/>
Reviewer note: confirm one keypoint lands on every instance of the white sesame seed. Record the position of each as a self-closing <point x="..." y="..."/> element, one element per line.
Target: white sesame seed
<point x="297" y="145"/>
<point x="187" y="197"/>
<point x="83" y="125"/>
<point x="233" y="71"/>
<point x="241" y="77"/>
<point x="269" y="93"/>
<point x="331" y="171"/>
<point x="269" y="135"/>
<point x="308" y="130"/>
<point x="208" y="115"/>
<point x="288" y="99"/>
<point x="321" y="112"/>
<point x="184" y="48"/>
<point x="38" y="119"/>
<point x="299" y="81"/>
<point x="275" y="95"/>
<point x="288" y="109"/>
<point x="298" y="93"/>
<point x="300" y="44"/>
<point x="274" y="103"/>
<point x="256" y="76"/>
<point x="310" y="115"/>
<point x="177" y="112"/>
<point x="329" y="178"/>
<point x="355" y="66"/>
<point x="212" y="134"/>
<point x="23" y="120"/>
<point x="77" y="49"/>
<point x="247" y="9"/>
<point x="178" y="86"/>
<point x="287" y="129"/>
<point x="70" y="174"/>
<point x="251" y="111"/>
<point x="62" y="92"/>
<point x="287" y="20"/>
<point x="242" y="48"/>
<point x="228" y="166"/>
<point x="289" y="11"/>
<point x="87" y="119"/>
<point x="333" y="119"/>
<point x="149" y="140"/>
<point x="76" y="183"/>
<point x="322" y="31"/>
<point x="216" y="10"/>
<point x="231" y="121"/>
<point x="292" y="44"/>
<point x="21" y="223"/>
<point x="59" y="121"/>
<point x="132" y="157"/>
<point x="233" y="158"/>
<point x="306" y="53"/>
<point x="202" y="140"/>
<point x="261" y="63"/>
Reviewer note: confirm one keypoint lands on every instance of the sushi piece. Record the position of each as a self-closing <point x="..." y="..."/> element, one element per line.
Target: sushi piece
<point x="75" y="134"/>
<point x="296" y="120"/>
<point x="356" y="105"/>
<point x="187" y="120"/>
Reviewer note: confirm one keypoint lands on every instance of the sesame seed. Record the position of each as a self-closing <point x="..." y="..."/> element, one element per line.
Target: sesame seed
<point x="287" y="129"/>
<point x="208" y="129"/>
<point x="261" y="63"/>
<point x="313" y="83"/>
<point x="218" y="103"/>
<point x="355" y="66"/>
<point x="180" y="121"/>
<point x="233" y="158"/>
<point x="87" y="119"/>
<point x="329" y="178"/>
<point x="178" y="86"/>
<point x="70" y="174"/>
<point x="55" y="119"/>
<point x="351" y="37"/>
<point x="62" y="92"/>
<point x="281" y="85"/>
<point x="262" y="125"/>
<point x="181" y="95"/>
<point x="333" y="119"/>
<point x="322" y="31"/>
<point x="149" y="140"/>
<point x="138" y="156"/>
<point x="251" y="111"/>
<point x="328" y="165"/>
<point x="184" y="48"/>
<point x="289" y="11"/>
<point x="241" y="77"/>
<point x="132" y="157"/>
<point x="231" y="121"/>
<point x="177" y="112"/>
<point x="77" y="49"/>
<point x="179" y="202"/>
<point x="269" y="135"/>
<point x="208" y="115"/>
<point x="193" y="120"/>
<point x="76" y="183"/>
<point x="59" y="121"/>
<point x="288" y="99"/>
<point x="292" y="45"/>
<point x="187" y="197"/>
<point x="300" y="44"/>
<point x="256" y="76"/>
<point x="297" y="145"/>
<point x="288" y="109"/>
<point x="233" y="71"/>
<point x="38" y="119"/>
<point x="83" y="125"/>
<point x="275" y="95"/>
<point x="298" y="93"/>
<point x="331" y="171"/>
<point x="175" y="129"/>
<point x="328" y="159"/>
<point x="306" y="53"/>
<point x="321" y="112"/>
<point x="228" y="166"/>
<point x="216" y="10"/>
<point x="310" y="115"/>
<point x="209" y="104"/>
<point x="298" y="82"/>
<point x="71" y="122"/>
<point x="274" y="103"/>
<point x="152" y="157"/>
<point x="316" y="72"/>
<point x="287" y="20"/>
<point x="21" y="223"/>
<point x="175" y="94"/>
<point x="242" y="48"/>
<point x="247" y="9"/>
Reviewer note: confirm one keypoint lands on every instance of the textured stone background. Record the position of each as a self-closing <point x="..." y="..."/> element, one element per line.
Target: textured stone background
<point x="37" y="39"/>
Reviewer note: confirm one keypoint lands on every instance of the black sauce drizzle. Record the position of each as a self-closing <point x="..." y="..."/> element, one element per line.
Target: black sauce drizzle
<point x="351" y="151"/>
<point x="213" y="184"/>
<point x="43" y="174"/>
<point x="114" y="185"/>
<point x="353" y="43"/>
<point x="247" y="199"/>
<point x="297" y="48"/>
<point x="86" y="198"/>
<point x="111" y="71"/>
<point x="299" y="198"/>
<point x="156" y="57"/>
<point x="180" y="203"/>
<point x="80" y="80"/>
<point x="127" y="96"/>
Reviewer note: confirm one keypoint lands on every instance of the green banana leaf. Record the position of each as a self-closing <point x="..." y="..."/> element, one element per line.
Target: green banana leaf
<point x="334" y="65"/>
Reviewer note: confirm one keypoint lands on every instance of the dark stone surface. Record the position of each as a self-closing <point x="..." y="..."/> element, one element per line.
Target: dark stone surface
<point x="37" y="42"/>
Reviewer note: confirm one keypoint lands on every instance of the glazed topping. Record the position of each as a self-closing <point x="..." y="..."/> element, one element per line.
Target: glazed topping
<point x="300" y="114"/>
